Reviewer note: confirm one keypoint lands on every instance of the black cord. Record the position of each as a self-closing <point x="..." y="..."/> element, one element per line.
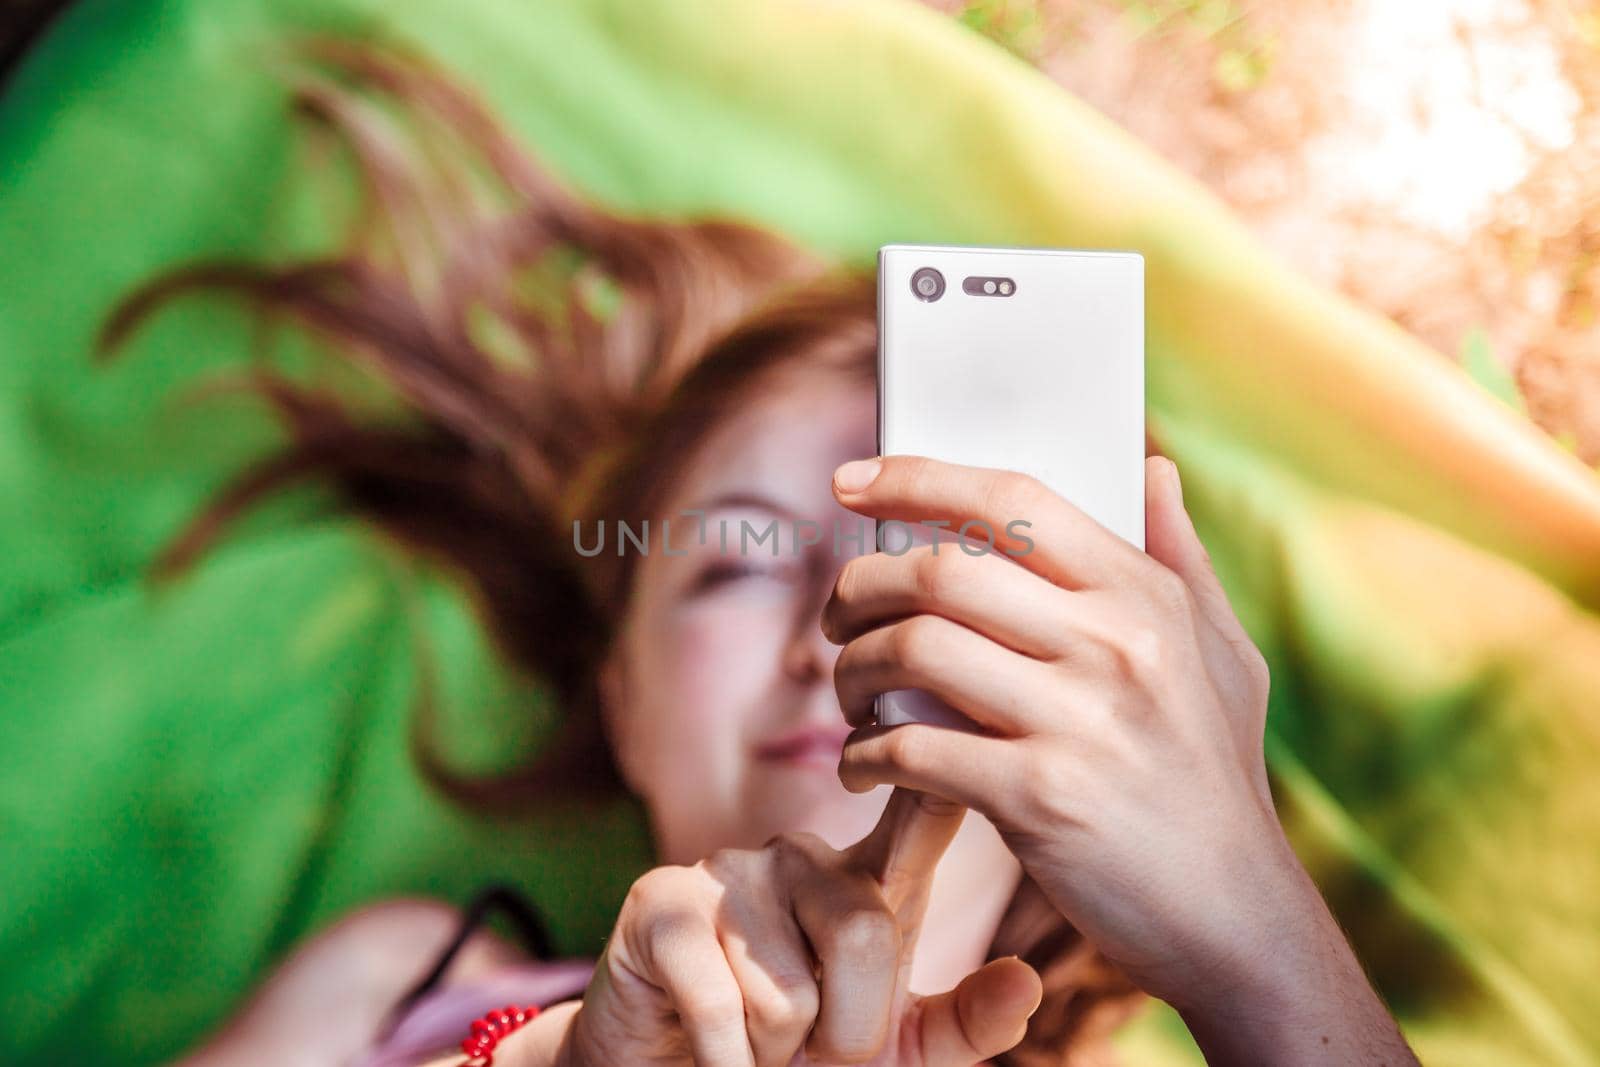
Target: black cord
<point x="22" y="23"/>
<point x="503" y="899"/>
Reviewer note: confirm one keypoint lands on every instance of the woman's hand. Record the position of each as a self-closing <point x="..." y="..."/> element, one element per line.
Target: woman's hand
<point x="795" y="953"/>
<point x="1122" y="707"/>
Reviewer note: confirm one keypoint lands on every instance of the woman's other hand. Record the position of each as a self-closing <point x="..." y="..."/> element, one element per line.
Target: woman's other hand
<point x="792" y="954"/>
<point x="1122" y="708"/>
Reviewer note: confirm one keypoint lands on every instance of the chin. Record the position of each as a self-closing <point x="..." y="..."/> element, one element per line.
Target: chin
<point x="826" y="809"/>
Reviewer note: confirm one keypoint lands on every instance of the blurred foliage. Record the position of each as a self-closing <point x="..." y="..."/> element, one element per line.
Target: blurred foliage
<point x="1210" y="17"/>
<point x="1588" y="28"/>
<point x="1019" y="26"/>
<point x="1580" y="289"/>
<point x="1244" y="56"/>
<point x="1271" y="103"/>
<point x="1237" y="70"/>
<point x="1484" y="367"/>
<point x="1033" y="29"/>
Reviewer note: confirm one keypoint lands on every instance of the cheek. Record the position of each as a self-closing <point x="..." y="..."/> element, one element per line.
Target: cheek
<point x="706" y="674"/>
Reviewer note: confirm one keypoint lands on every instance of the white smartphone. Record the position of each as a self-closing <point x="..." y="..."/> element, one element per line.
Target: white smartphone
<point x="1021" y="359"/>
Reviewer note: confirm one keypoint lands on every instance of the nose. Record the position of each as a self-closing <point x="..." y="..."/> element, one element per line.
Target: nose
<point x="809" y="656"/>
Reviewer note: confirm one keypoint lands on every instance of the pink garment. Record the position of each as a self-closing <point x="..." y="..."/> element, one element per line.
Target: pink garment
<point x="441" y="1019"/>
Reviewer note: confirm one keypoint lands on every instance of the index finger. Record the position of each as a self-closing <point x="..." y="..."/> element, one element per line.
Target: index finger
<point x="906" y="845"/>
<point x="1027" y="520"/>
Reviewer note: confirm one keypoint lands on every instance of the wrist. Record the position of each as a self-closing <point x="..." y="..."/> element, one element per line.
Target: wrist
<point x="1293" y="992"/>
<point x="544" y="1042"/>
<point x="1276" y="938"/>
<point x="1239" y="925"/>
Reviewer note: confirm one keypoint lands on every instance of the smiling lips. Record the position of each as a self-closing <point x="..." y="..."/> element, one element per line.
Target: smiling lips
<point x="819" y="746"/>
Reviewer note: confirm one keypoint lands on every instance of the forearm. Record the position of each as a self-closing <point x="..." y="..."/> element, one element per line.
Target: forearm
<point x="1302" y="999"/>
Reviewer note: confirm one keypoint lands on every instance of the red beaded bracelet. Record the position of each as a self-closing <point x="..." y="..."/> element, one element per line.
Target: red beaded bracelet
<point x="487" y="1032"/>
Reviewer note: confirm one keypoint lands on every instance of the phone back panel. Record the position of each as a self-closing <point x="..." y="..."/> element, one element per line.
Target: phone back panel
<point x="1048" y="381"/>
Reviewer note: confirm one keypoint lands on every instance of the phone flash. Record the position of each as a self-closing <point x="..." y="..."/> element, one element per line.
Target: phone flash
<point x="980" y="286"/>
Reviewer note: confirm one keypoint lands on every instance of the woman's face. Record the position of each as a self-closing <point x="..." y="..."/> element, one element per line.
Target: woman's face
<point x="719" y="693"/>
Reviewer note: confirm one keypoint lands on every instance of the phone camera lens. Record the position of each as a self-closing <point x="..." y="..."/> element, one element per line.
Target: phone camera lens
<point x="927" y="284"/>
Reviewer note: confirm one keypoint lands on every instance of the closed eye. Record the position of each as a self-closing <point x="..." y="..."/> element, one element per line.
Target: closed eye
<point x="725" y="572"/>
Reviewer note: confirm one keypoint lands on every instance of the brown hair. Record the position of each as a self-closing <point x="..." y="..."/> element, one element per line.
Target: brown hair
<point x="553" y="363"/>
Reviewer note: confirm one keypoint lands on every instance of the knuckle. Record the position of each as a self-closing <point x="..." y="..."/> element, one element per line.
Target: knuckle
<point x="712" y="1007"/>
<point x="866" y="933"/>
<point x="649" y="888"/>
<point x="1013" y="495"/>
<point x="844" y="667"/>
<point x="917" y="473"/>
<point x="846" y="1049"/>
<point x="1142" y="650"/>
<point x="845" y="594"/>
<point x="847" y="584"/>
<point x="917" y="641"/>
<point x="1087" y="645"/>
<point x="1107" y="659"/>
<point x="667" y="930"/>
<point x="939" y="574"/>
<point x="1171" y="592"/>
<point x="663" y="901"/>
<point x="1048" y="798"/>
<point x="798" y="847"/>
<point x="829" y="622"/>
<point x="730" y="864"/>
<point x="905" y="747"/>
<point x="791" y="1003"/>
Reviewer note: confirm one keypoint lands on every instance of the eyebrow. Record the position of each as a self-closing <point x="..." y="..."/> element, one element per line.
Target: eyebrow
<point x="746" y="499"/>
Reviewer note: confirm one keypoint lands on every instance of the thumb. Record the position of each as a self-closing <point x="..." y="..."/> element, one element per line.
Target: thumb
<point x="1170" y="539"/>
<point x="984" y="1016"/>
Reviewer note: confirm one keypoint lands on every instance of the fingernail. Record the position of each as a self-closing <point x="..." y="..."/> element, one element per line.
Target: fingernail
<point x="855" y="476"/>
<point x="1177" y="482"/>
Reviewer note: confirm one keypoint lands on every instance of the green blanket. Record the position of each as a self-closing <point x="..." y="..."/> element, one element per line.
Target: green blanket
<point x="191" y="778"/>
